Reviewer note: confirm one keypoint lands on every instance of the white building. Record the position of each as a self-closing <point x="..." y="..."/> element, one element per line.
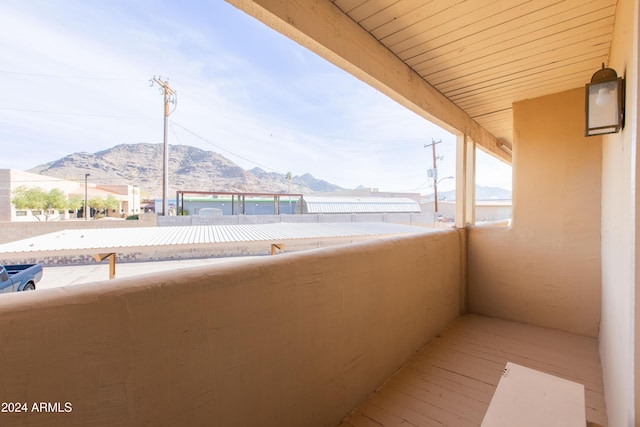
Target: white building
<point x="128" y="196"/>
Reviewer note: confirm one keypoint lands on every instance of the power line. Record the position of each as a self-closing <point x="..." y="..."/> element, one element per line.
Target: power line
<point x="420" y="187"/>
<point x="63" y="113"/>
<point x="60" y="76"/>
<point x="222" y="148"/>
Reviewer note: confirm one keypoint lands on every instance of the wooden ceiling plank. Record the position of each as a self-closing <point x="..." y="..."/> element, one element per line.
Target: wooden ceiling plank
<point x="456" y="28"/>
<point x="579" y="72"/>
<point x="459" y="54"/>
<point x="348" y="5"/>
<point x="514" y="89"/>
<point x="503" y="135"/>
<point x="477" y="109"/>
<point x="477" y="104"/>
<point x="412" y="21"/>
<point x="487" y="70"/>
<point x="546" y="73"/>
<point x="500" y="119"/>
<point x="398" y="11"/>
<point x="522" y="59"/>
<point x="571" y="77"/>
<point x="499" y="124"/>
<point x="444" y="24"/>
<point x="583" y="63"/>
<point x="462" y="53"/>
<point x="497" y="119"/>
<point x="370" y="8"/>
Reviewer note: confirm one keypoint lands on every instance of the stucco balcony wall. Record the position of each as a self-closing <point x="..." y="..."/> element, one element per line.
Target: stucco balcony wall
<point x="297" y="339"/>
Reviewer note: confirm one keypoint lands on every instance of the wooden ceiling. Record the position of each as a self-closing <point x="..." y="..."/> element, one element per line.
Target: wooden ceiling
<point x="484" y="55"/>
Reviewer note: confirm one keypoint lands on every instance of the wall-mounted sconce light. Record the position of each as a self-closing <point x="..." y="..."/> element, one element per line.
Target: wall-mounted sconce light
<point x="604" y="103"/>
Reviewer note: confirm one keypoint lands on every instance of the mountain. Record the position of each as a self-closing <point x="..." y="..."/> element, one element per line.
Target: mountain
<point x="190" y="168"/>
<point x="492" y="193"/>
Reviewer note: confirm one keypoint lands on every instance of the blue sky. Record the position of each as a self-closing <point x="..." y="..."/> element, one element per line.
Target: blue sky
<point x="75" y="77"/>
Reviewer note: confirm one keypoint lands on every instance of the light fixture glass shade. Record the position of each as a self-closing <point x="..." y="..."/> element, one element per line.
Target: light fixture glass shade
<point x="604" y="103"/>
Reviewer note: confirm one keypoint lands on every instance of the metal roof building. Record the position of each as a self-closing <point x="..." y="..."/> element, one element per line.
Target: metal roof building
<point x="78" y="246"/>
<point x="332" y="205"/>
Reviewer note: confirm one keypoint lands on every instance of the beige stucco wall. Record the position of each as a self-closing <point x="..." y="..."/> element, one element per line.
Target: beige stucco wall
<point x="545" y="269"/>
<point x="292" y="340"/>
<point x="620" y="219"/>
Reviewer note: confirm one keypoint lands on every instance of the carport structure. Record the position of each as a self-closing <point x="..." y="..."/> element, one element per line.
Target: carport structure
<point x="306" y="338"/>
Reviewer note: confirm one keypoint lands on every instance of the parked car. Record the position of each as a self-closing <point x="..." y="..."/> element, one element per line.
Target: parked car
<point x="21" y="277"/>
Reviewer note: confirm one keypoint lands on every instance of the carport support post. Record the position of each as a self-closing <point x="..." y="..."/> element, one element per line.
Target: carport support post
<point x="275" y="246"/>
<point x="112" y="266"/>
<point x="112" y="262"/>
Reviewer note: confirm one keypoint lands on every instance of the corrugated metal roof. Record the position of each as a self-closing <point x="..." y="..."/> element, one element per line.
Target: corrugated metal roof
<point x="318" y="204"/>
<point x="199" y="234"/>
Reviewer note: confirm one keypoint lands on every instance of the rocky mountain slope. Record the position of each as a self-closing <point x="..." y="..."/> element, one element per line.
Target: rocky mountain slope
<point x="190" y="168"/>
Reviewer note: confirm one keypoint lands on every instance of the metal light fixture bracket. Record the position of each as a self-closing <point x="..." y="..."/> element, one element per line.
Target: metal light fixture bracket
<point x="604" y="103"/>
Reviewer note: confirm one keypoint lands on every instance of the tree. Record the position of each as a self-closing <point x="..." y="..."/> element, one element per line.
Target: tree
<point x="33" y="199"/>
<point x="104" y="205"/>
<point x="57" y="200"/>
<point x="36" y="199"/>
<point x="75" y="202"/>
<point x="111" y="203"/>
<point x="29" y="198"/>
<point x="96" y="203"/>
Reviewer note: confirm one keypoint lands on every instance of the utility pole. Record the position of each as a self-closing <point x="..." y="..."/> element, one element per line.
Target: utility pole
<point x="170" y="97"/>
<point x="86" y="208"/>
<point x="434" y="171"/>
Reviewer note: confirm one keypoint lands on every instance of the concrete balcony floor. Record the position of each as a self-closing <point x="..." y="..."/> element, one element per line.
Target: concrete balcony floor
<point x="451" y="380"/>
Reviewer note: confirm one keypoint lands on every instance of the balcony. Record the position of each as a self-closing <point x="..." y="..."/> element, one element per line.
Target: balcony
<point x="297" y="339"/>
<point x="309" y="339"/>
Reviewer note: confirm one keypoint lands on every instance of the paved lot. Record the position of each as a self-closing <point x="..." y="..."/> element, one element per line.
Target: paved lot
<point x="78" y="274"/>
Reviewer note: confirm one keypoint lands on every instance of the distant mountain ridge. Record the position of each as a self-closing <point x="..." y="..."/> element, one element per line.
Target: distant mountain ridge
<point x="190" y="169"/>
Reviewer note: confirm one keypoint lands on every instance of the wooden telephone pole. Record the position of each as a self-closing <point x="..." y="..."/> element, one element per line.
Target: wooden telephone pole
<point x="434" y="172"/>
<point x="170" y="97"/>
